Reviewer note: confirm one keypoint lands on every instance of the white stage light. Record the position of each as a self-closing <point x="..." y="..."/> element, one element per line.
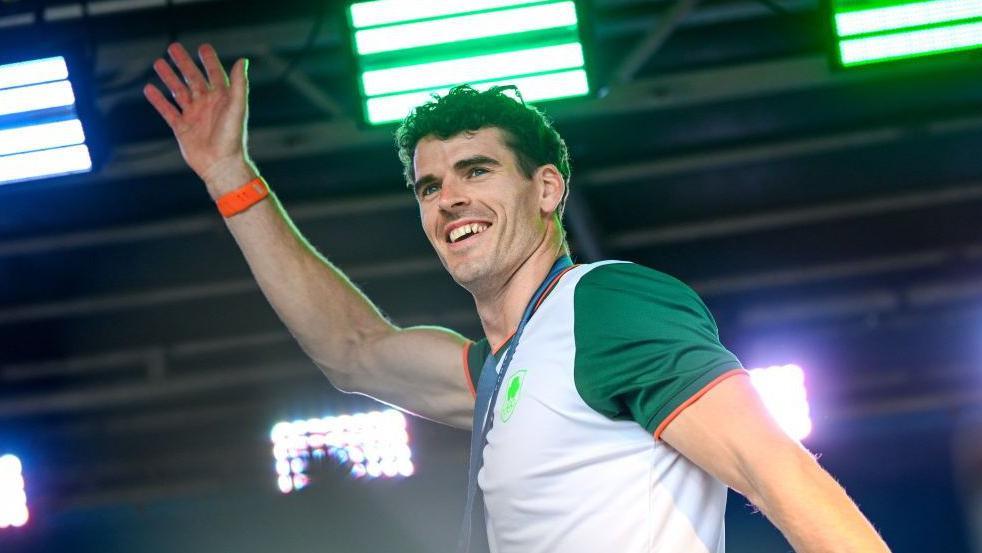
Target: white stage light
<point x="36" y="97"/>
<point x="59" y="161"/>
<point x="782" y="388"/>
<point x="285" y="483"/>
<point x="40" y="131"/>
<point x="33" y="72"/>
<point x="13" y="497"/>
<point x="375" y="444"/>
<point x="10" y="464"/>
<point x="41" y="137"/>
<point x="298" y="465"/>
<point x="280" y="431"/>
<point x="300" y="481"/>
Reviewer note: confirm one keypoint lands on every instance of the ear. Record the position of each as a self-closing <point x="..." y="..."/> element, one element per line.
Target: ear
<point x="553" y="187"/>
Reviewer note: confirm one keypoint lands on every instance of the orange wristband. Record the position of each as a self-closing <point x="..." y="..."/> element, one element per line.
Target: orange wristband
<point x="243" y="197"/>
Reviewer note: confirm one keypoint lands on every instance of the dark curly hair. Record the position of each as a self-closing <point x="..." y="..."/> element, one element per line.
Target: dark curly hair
<point x="526" y="130"/>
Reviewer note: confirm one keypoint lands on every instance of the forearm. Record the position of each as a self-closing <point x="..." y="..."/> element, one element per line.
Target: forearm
<point x="332" y="320"/>
<point x="813" y="511"/>
<point x="325" y="312"/>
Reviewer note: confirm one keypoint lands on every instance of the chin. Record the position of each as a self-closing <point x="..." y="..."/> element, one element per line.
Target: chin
<point x="467" y="273"/>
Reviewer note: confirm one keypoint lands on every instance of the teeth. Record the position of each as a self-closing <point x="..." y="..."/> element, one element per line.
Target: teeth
<point x="463" y="230"/>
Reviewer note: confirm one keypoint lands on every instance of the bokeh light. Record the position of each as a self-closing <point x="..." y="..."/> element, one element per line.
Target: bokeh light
<point x="372" y="445"/>
<point x="782" y="388"/>
<point x="13" y="495"/>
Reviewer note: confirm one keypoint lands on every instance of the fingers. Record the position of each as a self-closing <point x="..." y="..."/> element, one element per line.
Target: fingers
<point x="240" y="80"/>
<point x="177" y="87"/>
<point x="192" y="75"/>
<point x="194" y="83"/>
<point x="213" y="66"/>
<point x="162" y="105"/>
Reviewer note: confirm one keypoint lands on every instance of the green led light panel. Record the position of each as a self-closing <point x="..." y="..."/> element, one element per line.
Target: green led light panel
<point x="408" y="50"/>
<point x="873" y="31"/>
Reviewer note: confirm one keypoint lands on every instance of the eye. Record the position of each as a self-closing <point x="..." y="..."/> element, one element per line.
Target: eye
<point x="428" y="189"/>
<point x="474" y="171"/>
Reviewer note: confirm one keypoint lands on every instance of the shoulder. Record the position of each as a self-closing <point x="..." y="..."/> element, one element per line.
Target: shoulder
<point x="620" y="274"/>
<point x="645" y="343"/>
<point x="612" y="286"/>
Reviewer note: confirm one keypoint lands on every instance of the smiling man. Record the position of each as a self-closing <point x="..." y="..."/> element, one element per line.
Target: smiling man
<point x="621" y="417"/>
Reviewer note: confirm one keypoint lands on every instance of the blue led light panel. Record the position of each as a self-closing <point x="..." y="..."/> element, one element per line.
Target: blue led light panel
<point x="40" y="132"/>
<point x="407" y="51"/>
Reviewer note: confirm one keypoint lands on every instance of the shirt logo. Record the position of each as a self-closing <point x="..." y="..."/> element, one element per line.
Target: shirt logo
<point x="513" y="390"/>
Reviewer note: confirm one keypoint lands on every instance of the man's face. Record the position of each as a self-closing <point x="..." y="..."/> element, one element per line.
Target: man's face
<point x="480" y="212"/>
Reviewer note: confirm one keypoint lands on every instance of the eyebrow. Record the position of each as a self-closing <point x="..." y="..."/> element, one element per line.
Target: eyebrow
<point x="459" y="166"/>
<point x="475" y="160"/>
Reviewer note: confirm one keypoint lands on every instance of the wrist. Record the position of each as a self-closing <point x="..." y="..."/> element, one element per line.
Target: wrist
<point x="224" y="177"/>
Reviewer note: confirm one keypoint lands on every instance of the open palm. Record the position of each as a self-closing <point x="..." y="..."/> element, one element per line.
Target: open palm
<point x="209" y="119"/>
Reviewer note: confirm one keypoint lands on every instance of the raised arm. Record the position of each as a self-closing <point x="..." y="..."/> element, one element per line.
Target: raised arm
<point x="418" y="369"/>
<point x="729" y="433"/>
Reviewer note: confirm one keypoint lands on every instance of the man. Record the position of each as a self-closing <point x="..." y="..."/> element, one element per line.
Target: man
<point x="620" y="416"/>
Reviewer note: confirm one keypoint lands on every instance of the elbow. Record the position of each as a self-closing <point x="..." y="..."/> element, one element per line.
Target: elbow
<point x="339" y="370"/>
<point x="339" y="378"/>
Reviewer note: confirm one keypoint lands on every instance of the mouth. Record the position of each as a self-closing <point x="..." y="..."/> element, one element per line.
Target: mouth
<point x="465" y="232"/>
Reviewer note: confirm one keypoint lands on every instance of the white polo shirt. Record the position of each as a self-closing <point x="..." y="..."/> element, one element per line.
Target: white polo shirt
<point x="573" y="462"/>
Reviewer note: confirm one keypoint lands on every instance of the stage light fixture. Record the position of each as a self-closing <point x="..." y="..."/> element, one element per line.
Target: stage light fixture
<point x="41" y="134"/>
<point x="375" y="444"/>
<point x="782" y="389"/>
<point x="873" y="32"/>
<point x="407" y="51"/>
<point x="13" y="495"/>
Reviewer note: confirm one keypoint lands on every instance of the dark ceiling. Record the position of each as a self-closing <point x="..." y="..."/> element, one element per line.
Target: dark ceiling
<point x="828" y="218"/>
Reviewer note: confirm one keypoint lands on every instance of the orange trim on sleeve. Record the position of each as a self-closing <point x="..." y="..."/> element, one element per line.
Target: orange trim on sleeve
<point x="695" y="397"/>
<point x="467" y="369"/>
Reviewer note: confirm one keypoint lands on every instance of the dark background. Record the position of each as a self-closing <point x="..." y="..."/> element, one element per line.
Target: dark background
<point x="828" y="219"/>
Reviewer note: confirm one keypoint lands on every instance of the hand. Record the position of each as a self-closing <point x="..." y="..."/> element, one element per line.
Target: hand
<point x="210" y="118"/>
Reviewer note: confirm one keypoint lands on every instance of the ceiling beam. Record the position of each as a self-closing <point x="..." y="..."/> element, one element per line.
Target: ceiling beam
<point x="173" y="294"/>
<point x="786" y="218"/>
<point x="649" y="44"/>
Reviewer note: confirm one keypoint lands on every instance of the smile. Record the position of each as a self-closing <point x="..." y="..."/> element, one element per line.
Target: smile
<point x="463" y="232"/>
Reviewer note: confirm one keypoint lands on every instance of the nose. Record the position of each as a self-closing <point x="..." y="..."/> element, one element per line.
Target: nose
<point x="453" y="195"/>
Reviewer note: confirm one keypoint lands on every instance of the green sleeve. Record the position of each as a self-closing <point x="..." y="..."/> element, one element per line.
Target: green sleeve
<point x="645" y="343"/>
<point x="476" y="355"/>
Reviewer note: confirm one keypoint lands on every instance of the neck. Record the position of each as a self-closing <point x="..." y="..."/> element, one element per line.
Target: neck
<point x="501" y="307"/>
